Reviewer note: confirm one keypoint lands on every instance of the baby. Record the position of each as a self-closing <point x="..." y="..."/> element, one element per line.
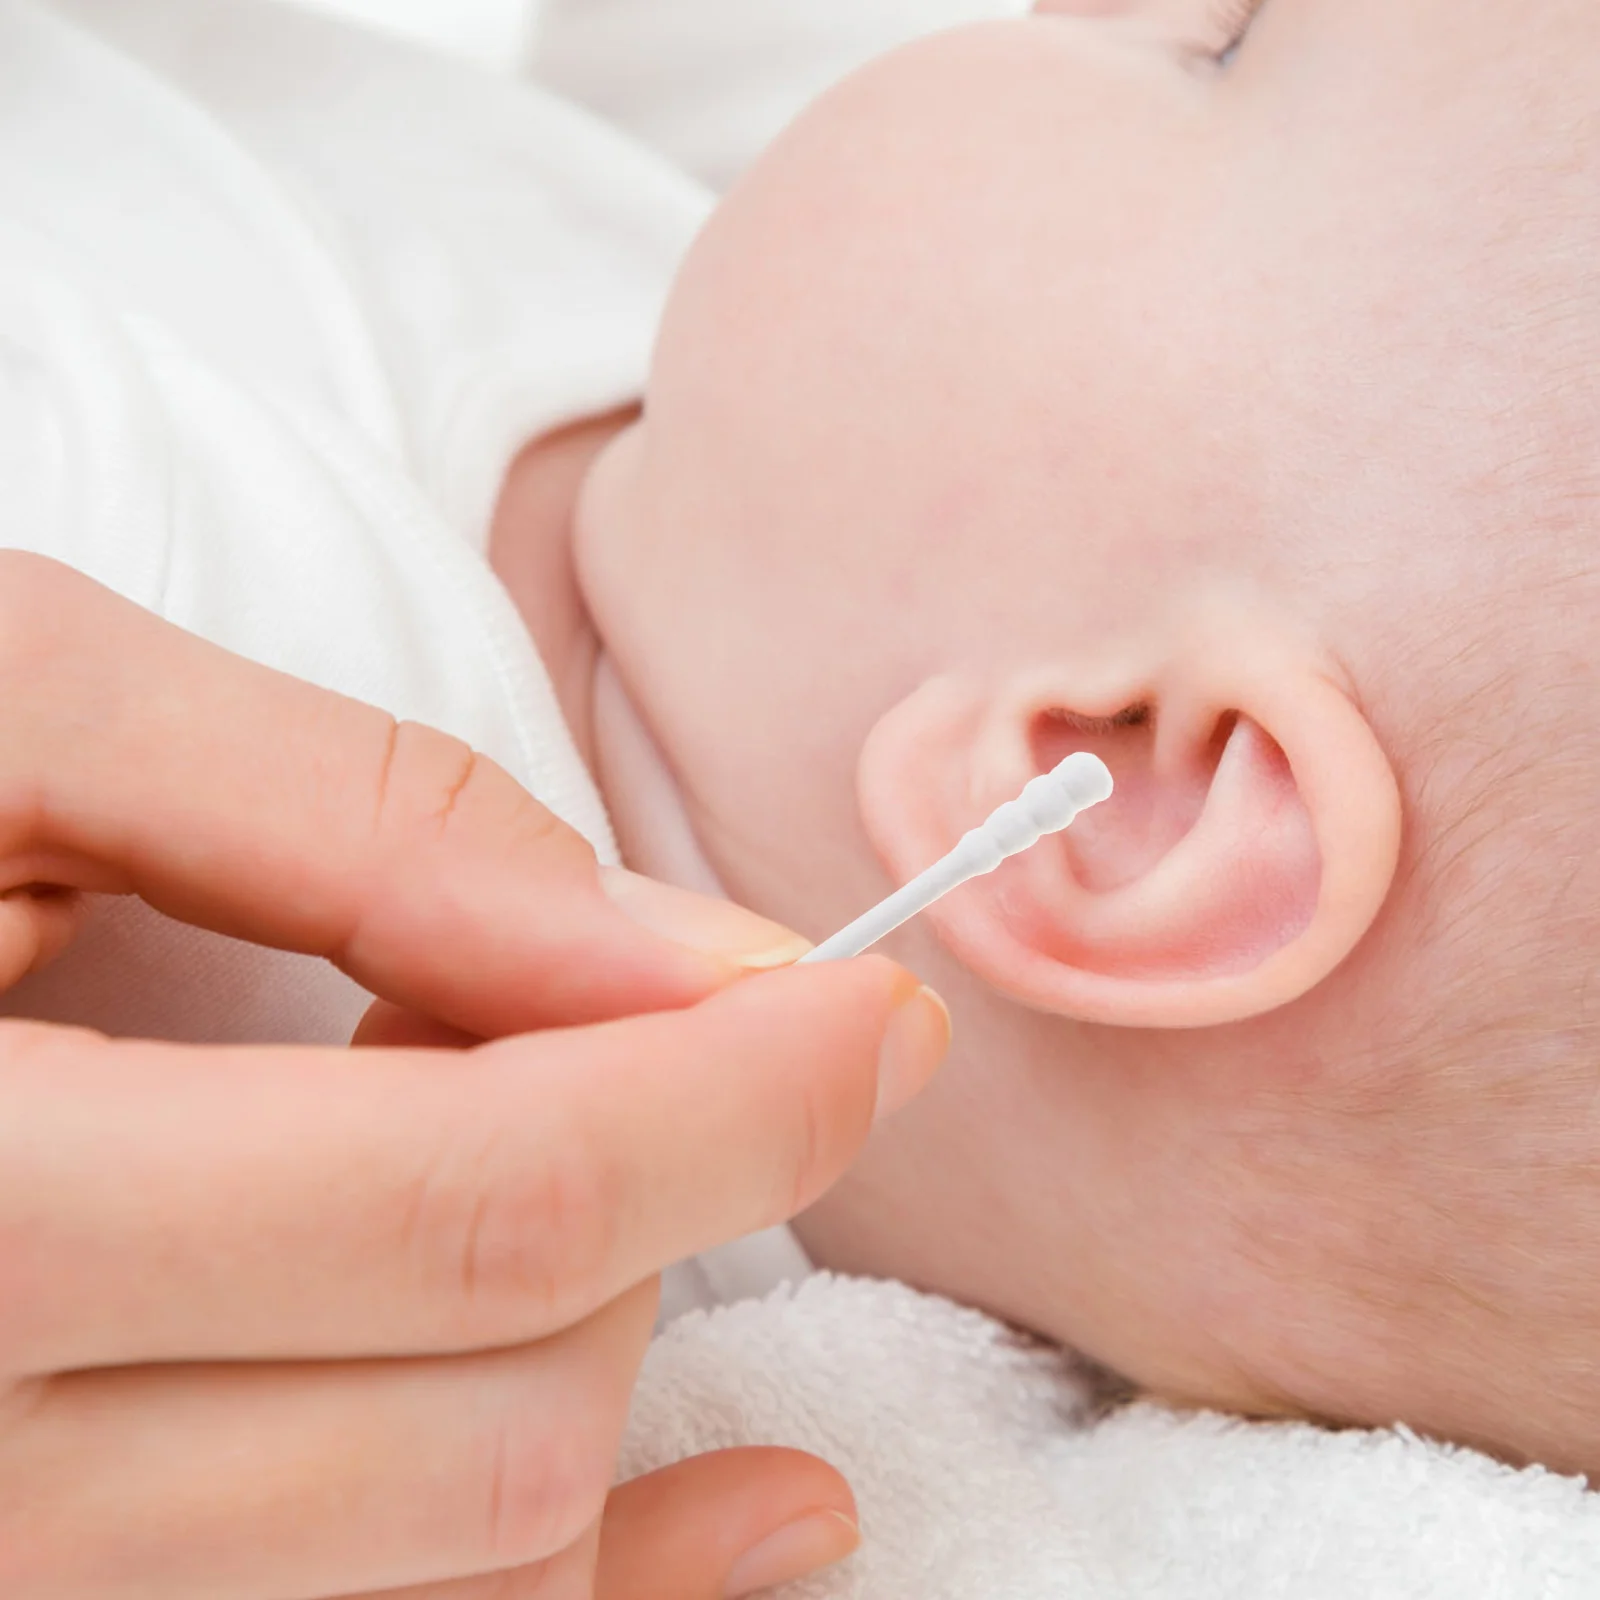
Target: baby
<point x="1210" y="390"/>
<point x="1197" y="384"/>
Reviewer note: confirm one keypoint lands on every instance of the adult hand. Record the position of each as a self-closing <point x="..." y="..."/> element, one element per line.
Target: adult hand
<point x="286" y="1323"/>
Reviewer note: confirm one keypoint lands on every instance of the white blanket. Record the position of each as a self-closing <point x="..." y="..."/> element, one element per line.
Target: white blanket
<point x="985" y="1470"/>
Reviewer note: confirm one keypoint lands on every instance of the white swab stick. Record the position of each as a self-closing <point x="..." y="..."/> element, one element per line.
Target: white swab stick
<point x="1049" y="804"/>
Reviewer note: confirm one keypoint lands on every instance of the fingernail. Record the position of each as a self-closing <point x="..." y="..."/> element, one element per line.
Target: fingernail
<point x="717" y="927"/>
<point x="817" y="1540"/>
<point x="915" y="1043"/>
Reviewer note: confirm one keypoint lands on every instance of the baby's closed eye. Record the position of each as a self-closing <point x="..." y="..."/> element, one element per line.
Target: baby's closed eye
<point x="1213" y="28"/>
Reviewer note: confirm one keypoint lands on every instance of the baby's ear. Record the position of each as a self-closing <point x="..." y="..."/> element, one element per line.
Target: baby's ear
<point x="1251" y="841"/>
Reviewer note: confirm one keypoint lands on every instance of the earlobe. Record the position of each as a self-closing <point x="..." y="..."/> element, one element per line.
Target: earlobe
<point x="1249" y="846"/>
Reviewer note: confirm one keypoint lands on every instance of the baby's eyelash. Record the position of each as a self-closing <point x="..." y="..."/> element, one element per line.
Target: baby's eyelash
<point x="1234" y="18"/>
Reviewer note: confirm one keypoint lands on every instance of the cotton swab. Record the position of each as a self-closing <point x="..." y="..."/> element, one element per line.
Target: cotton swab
<point x="1048" y="804"/>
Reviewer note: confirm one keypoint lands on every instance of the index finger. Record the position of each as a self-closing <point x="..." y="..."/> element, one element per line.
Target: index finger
<point x="135" y="757"/>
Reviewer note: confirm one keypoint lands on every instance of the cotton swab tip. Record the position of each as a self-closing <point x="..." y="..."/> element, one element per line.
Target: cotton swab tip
<point x="1048" y="804"/>
<point x="1081" y="781"/>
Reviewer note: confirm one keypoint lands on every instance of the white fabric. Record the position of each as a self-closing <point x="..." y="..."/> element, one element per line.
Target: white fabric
<point x="279" y="301"/>
<point x="984" y="1470"/>
<point x="493" y="32"/>
<point x="709" y="82"/>
<point x="706" y="81"/>
<point x="745" y="1269"/>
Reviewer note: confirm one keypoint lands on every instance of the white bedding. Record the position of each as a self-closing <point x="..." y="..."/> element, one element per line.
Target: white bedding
<point x="707" y="82"/>
<point x="986" y="1470"/>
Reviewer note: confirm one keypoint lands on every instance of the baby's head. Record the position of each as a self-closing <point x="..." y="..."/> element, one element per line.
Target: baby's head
<point x="1052" y="386"/>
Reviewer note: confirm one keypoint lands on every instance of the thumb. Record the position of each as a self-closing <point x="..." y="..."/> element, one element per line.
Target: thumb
<point x="725" y="1525"/>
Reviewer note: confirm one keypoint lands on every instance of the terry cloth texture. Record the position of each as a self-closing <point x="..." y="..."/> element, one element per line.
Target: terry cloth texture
<point x="985" y="1468"/>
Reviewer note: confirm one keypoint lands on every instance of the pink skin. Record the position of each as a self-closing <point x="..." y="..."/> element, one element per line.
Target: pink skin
<point x="1225" y="421"/>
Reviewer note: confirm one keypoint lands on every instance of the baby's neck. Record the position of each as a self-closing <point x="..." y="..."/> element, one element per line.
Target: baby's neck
<point x="531" y="549"/>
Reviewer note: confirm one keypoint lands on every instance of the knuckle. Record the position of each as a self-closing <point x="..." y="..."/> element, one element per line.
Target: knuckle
<point x="432" y="793"/>
<point x="518" y="1240"/>
<point x="421" y="778"/>
<point x="541" y="832"/>
<point x="540" y="1492"/>
<point x="430" y="783"/>
<point x="543" y="1248"/>
<point x="813" y="1156"/>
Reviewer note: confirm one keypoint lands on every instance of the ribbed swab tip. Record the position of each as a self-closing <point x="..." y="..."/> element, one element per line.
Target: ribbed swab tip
<point x="1048" y="804"/>
<point x="1084" y="779"/>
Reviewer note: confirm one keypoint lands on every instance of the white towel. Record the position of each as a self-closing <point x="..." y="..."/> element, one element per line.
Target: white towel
<point x="984" y="1470"/>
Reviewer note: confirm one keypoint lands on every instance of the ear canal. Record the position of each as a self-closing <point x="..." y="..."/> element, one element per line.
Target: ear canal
<point x="1150" y="814"/>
